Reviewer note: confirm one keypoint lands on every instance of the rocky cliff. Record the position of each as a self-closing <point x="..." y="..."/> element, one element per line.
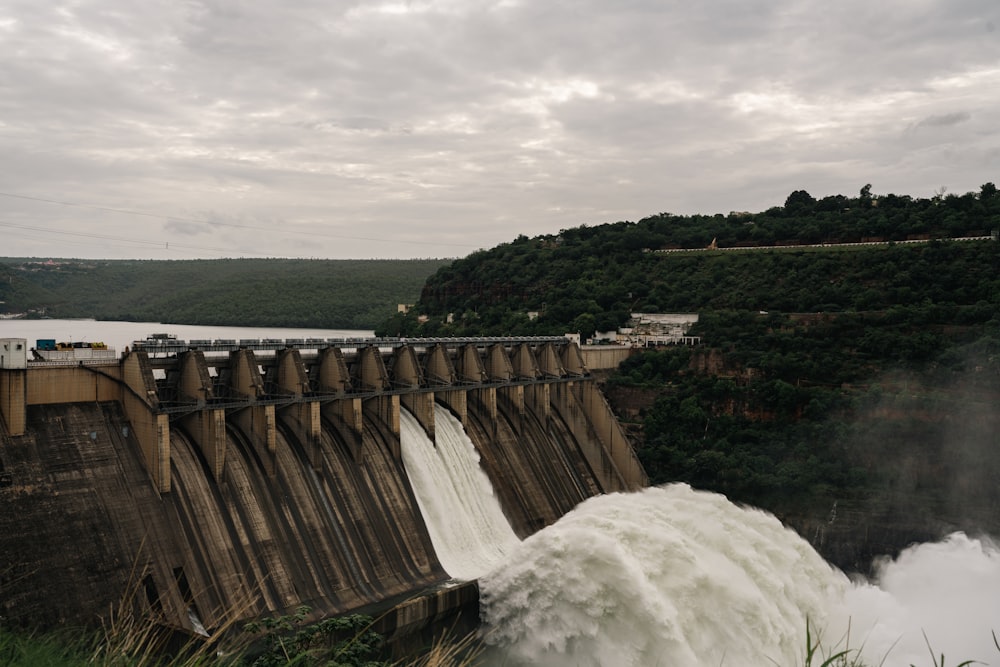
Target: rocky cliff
<point x="924" y="456"/>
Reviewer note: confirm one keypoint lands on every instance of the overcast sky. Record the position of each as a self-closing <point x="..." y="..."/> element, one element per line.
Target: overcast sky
<point x="307" y="128"/>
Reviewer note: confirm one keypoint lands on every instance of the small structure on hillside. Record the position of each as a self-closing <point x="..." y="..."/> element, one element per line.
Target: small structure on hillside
<point x="652" y="329"/>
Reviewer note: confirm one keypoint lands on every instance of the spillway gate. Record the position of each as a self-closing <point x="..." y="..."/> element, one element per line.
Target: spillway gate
<point x="202" y="385"/>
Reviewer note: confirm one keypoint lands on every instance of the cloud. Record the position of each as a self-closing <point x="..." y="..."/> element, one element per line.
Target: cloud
<point x="466" y="123"/>
<point x="945" y="120"/>
<point x="185" y="228"/>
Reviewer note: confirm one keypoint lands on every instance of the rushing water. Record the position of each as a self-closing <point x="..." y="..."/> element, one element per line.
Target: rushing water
<point x="467" y="526"/>
<point x="671" y="576"/>
<point x="948" y="590"/>
<point x="667" y="576"/>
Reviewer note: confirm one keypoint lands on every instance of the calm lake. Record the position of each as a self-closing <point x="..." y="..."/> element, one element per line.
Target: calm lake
<point x="119" y="334"/>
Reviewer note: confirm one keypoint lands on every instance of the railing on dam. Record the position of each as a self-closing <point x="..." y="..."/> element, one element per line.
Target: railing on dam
<point x="202" y="386"/>
<point x="170" y="390"/>
<point x="168" y="346"/>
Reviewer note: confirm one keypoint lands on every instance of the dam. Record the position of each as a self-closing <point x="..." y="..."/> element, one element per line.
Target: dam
<point x="200" y="481"/>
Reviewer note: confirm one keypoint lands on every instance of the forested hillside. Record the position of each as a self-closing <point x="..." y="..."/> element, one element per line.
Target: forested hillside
<point x="589" y="278"/>
<point x="852" y="391"/>
<point x="348" y="294"/>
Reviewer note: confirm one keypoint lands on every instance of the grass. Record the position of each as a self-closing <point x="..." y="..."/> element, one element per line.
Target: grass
<point x="75" y="649"/>
<point x="852" y="657"/>
<point x="839" y="659"/>
<point x="940" y="662"/>
<point x="131" y="639"/>
<point x="129" y="645"/>
<point x="40" y="650"/>
<point x="134" y="635"/>
<point x="449" y="651"/>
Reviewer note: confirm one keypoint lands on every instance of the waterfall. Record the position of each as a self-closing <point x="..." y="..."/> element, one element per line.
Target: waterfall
<point x="463" y="515"/>
<point x="672" y="576"/>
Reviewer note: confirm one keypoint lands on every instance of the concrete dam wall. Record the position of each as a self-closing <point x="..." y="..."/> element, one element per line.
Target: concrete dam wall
<point x="195" y="485"/>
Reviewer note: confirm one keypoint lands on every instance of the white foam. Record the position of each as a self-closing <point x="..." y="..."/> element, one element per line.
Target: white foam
<point x="673" y="576"/>
<point x="467" y="526"/>
<point x="947" y="591"/>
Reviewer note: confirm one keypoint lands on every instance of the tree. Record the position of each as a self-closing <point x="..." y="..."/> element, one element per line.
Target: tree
<point x="585" y="324"/>
<point x="865" y="195"/>
<point x="799" y="201"/>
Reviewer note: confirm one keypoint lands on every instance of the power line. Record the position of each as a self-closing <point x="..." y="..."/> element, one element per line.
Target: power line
<point x="227" y="224"/>
<point x="45" y="236"/>
<point x="89" y="235"/>
<point x="162" y="245"/>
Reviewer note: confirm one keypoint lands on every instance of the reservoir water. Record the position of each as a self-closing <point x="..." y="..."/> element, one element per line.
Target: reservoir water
<point x="119" y="334"/>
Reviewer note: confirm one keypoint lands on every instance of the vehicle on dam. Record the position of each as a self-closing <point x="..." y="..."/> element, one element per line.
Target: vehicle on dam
<point x="47" y="349"/>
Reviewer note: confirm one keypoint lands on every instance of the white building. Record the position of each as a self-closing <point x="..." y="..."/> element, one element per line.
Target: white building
<point x="651" y="329"/>
<point x="13" y="353"/>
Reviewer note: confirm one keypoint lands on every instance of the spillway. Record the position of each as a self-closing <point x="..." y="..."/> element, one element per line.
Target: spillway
<point x="463" y="515"/>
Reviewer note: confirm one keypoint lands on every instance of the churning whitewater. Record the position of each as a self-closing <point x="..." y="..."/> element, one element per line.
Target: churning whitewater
<point x="467" y="526"/>
<point x="666" y="576"/>
<point x="672" y="576"/>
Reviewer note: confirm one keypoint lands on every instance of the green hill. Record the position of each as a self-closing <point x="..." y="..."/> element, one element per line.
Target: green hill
<point x="348" y="294"/>
<point x="589" y="278"/>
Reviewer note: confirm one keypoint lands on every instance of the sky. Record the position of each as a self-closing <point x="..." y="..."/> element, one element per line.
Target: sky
<point x="179" y="129"/>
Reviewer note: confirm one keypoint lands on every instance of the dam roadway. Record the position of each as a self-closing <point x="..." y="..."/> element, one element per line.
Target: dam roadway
<point x="213" y="479"/>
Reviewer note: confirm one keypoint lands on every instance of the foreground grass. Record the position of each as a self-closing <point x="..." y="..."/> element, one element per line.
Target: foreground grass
<point x="338" y="642"/>
<point x="68" y="650"/>
<point x="816" y="656"/>
<point x="132" y="638"/>
<point x="346" y="642"/>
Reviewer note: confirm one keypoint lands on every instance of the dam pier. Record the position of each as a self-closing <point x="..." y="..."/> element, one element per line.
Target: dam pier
<point x="200" y="481"/>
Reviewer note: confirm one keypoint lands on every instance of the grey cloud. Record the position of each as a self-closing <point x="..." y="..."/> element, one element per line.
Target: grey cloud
<point x="945" y="120"/>
<point x="186" y="228"/>
<point x="470" y="122"/>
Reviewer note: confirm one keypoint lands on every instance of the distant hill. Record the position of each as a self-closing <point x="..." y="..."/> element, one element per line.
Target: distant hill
<point x="348" y="294"/>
